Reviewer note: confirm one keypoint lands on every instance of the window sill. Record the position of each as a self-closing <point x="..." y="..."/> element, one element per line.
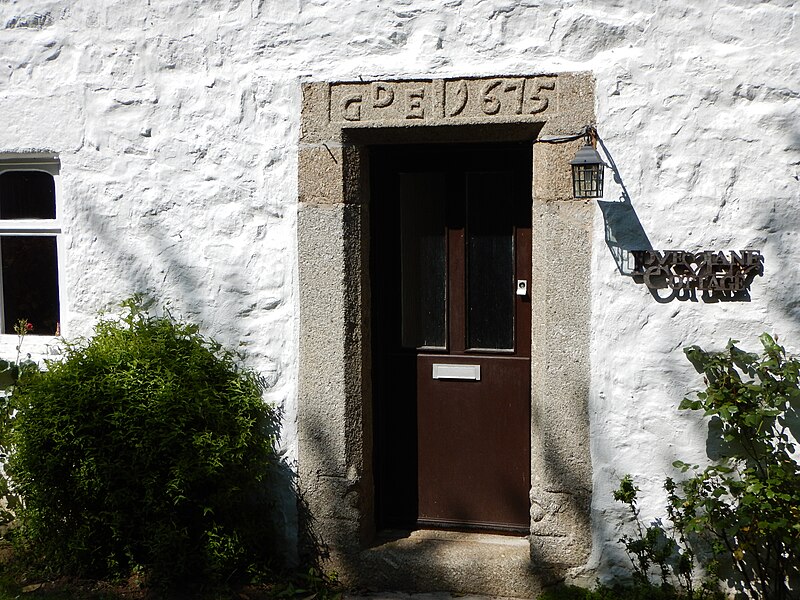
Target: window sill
<point x="37" y="346"/>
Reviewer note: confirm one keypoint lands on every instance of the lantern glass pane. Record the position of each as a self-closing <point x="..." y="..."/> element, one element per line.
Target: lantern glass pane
<point x="587" y="180"/>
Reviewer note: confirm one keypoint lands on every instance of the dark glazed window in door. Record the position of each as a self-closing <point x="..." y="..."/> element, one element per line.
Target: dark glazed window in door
<point x="423" y="257"/>
<point x="490" y="262"/>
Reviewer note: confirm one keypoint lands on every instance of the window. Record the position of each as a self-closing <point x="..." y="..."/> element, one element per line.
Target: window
<point x="29" y="231"/>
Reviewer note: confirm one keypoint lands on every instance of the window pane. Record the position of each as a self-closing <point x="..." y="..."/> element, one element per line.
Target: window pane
<point x="30" y="282"/>
<point x="423" y="260"/>
<point x="27" y="195"/>
<point x="490" y="262"/>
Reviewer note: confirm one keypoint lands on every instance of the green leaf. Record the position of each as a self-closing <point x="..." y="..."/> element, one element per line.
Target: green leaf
<point x="686" y="403"/>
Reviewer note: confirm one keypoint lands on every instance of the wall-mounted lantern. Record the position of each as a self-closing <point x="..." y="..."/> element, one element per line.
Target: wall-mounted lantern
<point x="587" y="172"/>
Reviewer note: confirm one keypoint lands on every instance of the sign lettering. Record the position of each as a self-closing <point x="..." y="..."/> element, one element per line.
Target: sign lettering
<point x="708" y="271"/>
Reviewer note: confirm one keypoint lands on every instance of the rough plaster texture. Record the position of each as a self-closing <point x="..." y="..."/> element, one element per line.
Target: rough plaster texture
<point x="177" y="126"/>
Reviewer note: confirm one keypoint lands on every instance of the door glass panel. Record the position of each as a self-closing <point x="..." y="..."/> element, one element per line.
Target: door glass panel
<point x="423" y="260"/>
<point x="490" y="262"/>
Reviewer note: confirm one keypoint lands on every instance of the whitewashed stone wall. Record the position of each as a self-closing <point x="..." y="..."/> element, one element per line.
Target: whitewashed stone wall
<point x="177" y="125"/>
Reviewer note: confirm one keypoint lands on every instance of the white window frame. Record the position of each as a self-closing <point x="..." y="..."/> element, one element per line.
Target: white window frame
<point x="35" y="227"/>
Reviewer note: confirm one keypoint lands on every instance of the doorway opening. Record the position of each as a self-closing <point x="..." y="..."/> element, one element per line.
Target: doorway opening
<point x="346" y="126"/>
<point x="450" y="266"/>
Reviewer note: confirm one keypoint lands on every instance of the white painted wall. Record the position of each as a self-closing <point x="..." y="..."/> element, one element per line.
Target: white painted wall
<point x="177" y="123"/>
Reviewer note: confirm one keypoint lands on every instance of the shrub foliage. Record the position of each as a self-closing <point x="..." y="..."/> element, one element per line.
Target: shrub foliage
<point x="747" y="505"/>
<point x="148" y="448"/>
<point x="737" y="518"/>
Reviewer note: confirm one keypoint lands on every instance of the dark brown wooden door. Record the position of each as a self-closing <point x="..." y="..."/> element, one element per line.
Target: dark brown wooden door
<point x="451" y="324"/>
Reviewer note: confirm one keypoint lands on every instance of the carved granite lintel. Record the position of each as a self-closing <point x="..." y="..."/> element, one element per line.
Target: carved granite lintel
<point x="442" y="101"/>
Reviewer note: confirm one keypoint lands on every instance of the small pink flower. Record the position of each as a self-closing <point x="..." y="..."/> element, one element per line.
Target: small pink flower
<point x="29" y="326"/>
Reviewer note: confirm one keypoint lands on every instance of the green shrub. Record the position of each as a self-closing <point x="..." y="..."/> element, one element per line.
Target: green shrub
<point x="146" y="449"/>
<point x="739" y="517"/>
<point x="660" y="557"/>
<point x="10" y="372"/>
<point x="651" y="548"/>
<point x="747" y="504"/>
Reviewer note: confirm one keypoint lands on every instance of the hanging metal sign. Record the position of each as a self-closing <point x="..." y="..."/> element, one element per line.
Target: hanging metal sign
<point x="708" y="270"/>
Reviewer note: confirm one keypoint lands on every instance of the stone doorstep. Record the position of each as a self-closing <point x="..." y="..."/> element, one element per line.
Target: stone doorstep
<point x="438" y="563"/>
